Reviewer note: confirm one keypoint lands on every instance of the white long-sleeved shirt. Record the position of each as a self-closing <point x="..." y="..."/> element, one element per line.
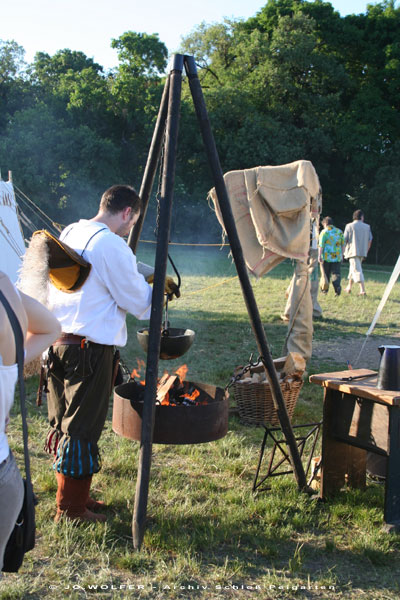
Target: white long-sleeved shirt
<point x="114" y="287"/>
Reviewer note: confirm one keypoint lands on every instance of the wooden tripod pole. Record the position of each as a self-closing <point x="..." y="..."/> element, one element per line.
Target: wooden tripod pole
<point x="167" y="188"/>
<point x="247" y="290"/>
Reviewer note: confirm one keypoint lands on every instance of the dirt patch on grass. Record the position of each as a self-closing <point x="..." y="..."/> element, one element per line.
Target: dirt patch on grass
<point x="348" y="349"/>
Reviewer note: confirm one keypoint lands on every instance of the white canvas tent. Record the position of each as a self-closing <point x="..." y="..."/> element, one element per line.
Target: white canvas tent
<point x="12" y="245"/>
<point x="19" y="218"/>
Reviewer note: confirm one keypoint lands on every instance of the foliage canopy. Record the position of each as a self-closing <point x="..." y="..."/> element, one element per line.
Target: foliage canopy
<point x="296" y="81"/>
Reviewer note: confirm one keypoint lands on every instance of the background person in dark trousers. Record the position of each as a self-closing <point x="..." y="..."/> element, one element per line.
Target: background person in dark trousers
<point x="330" y="252"/>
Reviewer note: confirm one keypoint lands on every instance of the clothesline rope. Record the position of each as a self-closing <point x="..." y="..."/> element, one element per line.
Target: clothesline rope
<point x="40" y="213"/>
<point x="185" y="243"/>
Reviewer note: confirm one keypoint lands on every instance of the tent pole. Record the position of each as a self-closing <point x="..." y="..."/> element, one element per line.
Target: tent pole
<point x="393" y="278"/>
<point x="167" y="188"/>
<point x="247" y="290"/>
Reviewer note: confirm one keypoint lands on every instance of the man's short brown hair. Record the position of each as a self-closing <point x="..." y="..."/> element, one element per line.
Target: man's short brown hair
<point x="118" y="197"/>
<point x="358" y="215"/>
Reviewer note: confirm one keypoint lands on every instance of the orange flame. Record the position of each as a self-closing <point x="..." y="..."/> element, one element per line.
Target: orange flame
<point x="165" y="400"/>
<point x="181" y="372"/>
<point x="136" y="373"/>
<point x="192" y="396"/>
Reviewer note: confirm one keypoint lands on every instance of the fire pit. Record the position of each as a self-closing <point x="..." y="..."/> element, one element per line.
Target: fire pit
<point x="185" y="413"/>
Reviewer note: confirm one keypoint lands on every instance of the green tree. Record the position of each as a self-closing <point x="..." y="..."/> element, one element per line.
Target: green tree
<point x="298" y="81"/>
<point x="275" y="99"/>
<point x="63" y="168"/>
<point x="136" y="88"/>
<point x="48" y="69"/>
<point x="12" y="84"/>
<point x="12" y="62"/>
<point x="74" y="86"/>
<point x="141" y="54"/>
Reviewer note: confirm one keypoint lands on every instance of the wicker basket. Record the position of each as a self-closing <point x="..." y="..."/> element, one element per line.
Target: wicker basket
<point x="255" y="405"/>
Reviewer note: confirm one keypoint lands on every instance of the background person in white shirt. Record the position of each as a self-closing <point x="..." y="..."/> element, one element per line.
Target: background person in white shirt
<point x="40" y="329"/>
<point x="81" y="361"/>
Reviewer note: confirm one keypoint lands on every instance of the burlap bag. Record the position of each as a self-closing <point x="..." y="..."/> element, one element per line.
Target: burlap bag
<point x="272" y="207"/>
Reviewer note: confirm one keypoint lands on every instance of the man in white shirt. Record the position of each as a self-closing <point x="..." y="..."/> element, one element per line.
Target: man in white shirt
<point x="81" y="361"/>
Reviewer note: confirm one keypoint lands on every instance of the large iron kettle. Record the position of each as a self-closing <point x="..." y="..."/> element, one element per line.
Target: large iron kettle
<point x="174" y="342"/>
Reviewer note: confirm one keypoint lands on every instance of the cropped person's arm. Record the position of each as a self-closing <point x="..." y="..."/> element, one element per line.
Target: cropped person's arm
<point x="43" y="327"/>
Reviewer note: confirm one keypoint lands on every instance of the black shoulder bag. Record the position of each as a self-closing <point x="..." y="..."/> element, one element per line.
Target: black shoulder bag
<point x="22" y="538"/>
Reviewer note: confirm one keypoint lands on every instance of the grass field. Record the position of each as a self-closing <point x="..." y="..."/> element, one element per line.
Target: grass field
<point x="208" y="536"/>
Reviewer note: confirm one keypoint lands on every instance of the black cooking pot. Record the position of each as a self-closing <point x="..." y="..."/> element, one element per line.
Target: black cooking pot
<point x="174" y="341"/>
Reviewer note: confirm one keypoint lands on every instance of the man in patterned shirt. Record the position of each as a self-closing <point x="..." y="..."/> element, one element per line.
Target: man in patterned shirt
<point x="330" y="252"/>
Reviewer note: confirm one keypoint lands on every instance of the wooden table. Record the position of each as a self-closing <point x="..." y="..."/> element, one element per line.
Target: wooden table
<point x="358" y="417"/>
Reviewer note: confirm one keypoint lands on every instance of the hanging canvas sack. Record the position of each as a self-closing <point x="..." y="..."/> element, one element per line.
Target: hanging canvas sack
<point x="22" y="538"/>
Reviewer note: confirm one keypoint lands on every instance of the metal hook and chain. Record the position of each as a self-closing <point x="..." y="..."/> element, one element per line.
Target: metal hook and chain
<point x="158" y="200"/>
<point x="126" y="373"/>
<point x="158" y="193"/>
<point x="251" y="364"/>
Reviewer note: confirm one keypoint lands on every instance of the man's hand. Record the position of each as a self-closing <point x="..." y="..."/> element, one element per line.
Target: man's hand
<point x="171" y="288"/>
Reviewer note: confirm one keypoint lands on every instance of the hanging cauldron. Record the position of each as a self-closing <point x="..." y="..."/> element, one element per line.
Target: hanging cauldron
<point x="174" y="341"/>
<point x="183" y="424"/>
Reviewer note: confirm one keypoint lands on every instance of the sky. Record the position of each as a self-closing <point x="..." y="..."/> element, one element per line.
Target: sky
<point x="90" y="25"/>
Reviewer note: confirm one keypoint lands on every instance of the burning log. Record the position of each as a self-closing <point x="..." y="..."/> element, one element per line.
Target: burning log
<point x="164" y="385"/>
<point x="173" y="390"/>
<point x="185" y="394"/>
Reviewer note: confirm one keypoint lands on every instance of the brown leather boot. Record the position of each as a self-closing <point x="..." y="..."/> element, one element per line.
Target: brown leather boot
<point x="93" y="504"/>
<point x="71" y="498"/>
